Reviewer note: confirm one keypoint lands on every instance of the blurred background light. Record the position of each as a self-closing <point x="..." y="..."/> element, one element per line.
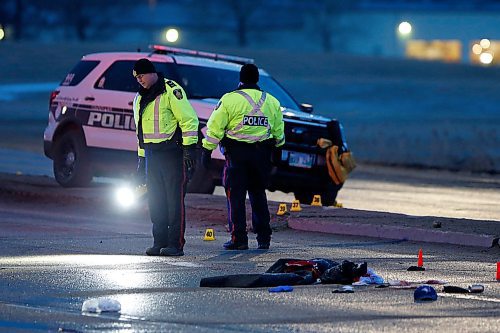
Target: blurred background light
<point x="485" y="43"/>
<point x="172" y="35"/>
<point x="404" y="28"/>
<point x="2" y="33"/>
<point x="486" y="58"/>
<point x="477" y="49"/>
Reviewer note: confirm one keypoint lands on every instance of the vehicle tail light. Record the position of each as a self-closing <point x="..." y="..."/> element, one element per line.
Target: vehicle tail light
<point x="52" y="97"/>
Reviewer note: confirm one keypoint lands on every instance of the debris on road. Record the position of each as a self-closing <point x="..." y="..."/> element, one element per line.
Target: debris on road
<point x="344" y="290"/>
<point x="415" y="269"/>
<point x="294" y="272"/>
<point x="369" y="278"/>
<point x="455" y="290"/>
<point x="403" y="284"/>
<point x="475" y="288"/>
<point x="425" y="294"/>
<point x="98" y="305"/>
<point x="280" y="289"/>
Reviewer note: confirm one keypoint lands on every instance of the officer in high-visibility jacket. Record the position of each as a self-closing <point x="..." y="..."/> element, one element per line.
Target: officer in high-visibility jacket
<point x="167" y="133"/>
<point x="248" y="124"/>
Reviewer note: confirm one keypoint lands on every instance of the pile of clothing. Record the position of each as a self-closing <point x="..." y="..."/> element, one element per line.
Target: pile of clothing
<point x="294" y="272"/>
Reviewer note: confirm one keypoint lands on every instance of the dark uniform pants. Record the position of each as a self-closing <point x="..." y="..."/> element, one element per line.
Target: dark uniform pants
<point x="247" y="169"/>
<point x="166" y="182"/>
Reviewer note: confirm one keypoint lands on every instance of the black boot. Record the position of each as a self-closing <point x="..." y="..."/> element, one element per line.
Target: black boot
<point x="153" y="251"/>
<point x="230" y="245"/>
<point x="171" y="252"/>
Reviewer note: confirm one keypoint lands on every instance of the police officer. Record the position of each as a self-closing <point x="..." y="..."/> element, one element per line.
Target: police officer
<point x="167" y="133"/>
<point x="248" y="124"/>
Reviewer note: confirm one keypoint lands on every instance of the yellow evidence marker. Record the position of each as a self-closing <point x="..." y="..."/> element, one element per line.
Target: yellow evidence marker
<point x="316" y="200"/>
<point x="281" y="209"/>
<point x="295" y="206"/>
<point x="209" y="235"/>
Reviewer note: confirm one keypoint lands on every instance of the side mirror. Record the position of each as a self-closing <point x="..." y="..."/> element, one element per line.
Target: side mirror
<point x="307" y="108"/>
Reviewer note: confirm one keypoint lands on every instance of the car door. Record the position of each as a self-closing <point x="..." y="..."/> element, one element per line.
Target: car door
<point x="110" y="108"/>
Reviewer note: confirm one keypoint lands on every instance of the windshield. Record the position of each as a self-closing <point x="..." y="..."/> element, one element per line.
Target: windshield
<point x="204" y="82"/>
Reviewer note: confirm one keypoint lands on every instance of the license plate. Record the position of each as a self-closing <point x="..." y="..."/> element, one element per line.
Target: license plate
<point x="300" y="160"/>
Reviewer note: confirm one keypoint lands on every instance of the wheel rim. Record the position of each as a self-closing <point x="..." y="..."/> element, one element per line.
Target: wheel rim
<point x="67" y="161"/>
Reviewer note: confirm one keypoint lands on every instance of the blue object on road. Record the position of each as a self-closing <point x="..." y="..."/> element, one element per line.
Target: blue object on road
<point x="280" y="289"/>
<point x="425" y="293"/>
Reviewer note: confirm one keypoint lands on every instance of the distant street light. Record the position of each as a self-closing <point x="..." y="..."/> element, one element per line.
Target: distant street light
<point x="404" y="28"/>
<point x="486" y="58"/>
<point x="172" y="35"/>
<point x="477" y="49"/>
<point x="485" y="43"/>
<point x="2" y="33"/>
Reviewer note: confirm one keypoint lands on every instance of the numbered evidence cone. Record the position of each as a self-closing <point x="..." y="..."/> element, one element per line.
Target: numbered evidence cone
<point x="295" y="206"/>
<point x="209" y="235"/>
<point x="281" y="209"/>
<point x="316" y="200"/>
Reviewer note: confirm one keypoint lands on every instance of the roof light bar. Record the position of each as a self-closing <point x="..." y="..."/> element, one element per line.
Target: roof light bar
<point x="162" y="49"/>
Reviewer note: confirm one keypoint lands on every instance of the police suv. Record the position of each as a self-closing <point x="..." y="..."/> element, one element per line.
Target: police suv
<point x="91" y="128"/>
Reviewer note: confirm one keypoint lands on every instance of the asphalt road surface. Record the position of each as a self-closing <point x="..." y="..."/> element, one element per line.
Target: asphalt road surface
<point x="418" y="192"/>
<point x="54" y="258"/>
<point x="62" y="248"/>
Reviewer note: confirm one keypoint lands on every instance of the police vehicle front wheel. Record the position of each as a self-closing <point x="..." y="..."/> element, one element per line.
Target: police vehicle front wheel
<point x="328" y="196"/>
<point x="71" y="163"/>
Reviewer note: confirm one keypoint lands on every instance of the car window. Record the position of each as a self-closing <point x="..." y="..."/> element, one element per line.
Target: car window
<point x="203" y="82"/>
<point x="270" y="85"/>
<point x="119" y="76"/>
<point x="79" y="72"/>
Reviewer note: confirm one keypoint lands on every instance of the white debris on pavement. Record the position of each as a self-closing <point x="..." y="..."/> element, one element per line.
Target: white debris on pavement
<point x="369" y="278"/>
<point x="98" y="305"/>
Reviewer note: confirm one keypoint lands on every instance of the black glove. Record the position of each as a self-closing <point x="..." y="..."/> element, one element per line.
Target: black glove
<point x="189" y="156"/>
<point x="206" y="158"/>
<point x="140" y="174"/>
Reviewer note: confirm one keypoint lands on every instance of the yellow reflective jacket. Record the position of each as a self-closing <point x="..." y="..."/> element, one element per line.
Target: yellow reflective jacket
<point x="247" y="115"/>
<point x="161" y="117"/>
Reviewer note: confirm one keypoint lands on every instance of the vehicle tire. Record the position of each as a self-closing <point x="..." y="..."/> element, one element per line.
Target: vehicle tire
<point x="71" y="162"/>
<point x="202" y="180"/>
<point x="328" y="196"/>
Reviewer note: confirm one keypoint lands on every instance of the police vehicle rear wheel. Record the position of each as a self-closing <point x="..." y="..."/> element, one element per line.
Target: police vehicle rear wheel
<point x="328" y="196"/>
<point x="71" y="164"/>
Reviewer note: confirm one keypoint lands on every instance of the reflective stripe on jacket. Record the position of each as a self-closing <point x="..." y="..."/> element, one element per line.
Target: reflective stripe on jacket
<point x="247" y="115"/>
<point x="161" y="117"/>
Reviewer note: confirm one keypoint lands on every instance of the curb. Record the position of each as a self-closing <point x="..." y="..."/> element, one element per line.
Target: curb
<point x="44" y="189"/>
<point x="391" y="232"/>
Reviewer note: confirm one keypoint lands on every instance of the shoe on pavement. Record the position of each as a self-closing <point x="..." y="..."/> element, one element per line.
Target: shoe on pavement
<point x="171" y="252"/>
<point x="153" y="251"/>
<point x="263" y="246"/>
<point x="229" y="245"/>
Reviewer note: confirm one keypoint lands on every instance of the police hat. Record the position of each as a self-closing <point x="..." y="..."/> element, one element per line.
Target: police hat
<point x="143" y="66"/>
<point x="249" y="73"/>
